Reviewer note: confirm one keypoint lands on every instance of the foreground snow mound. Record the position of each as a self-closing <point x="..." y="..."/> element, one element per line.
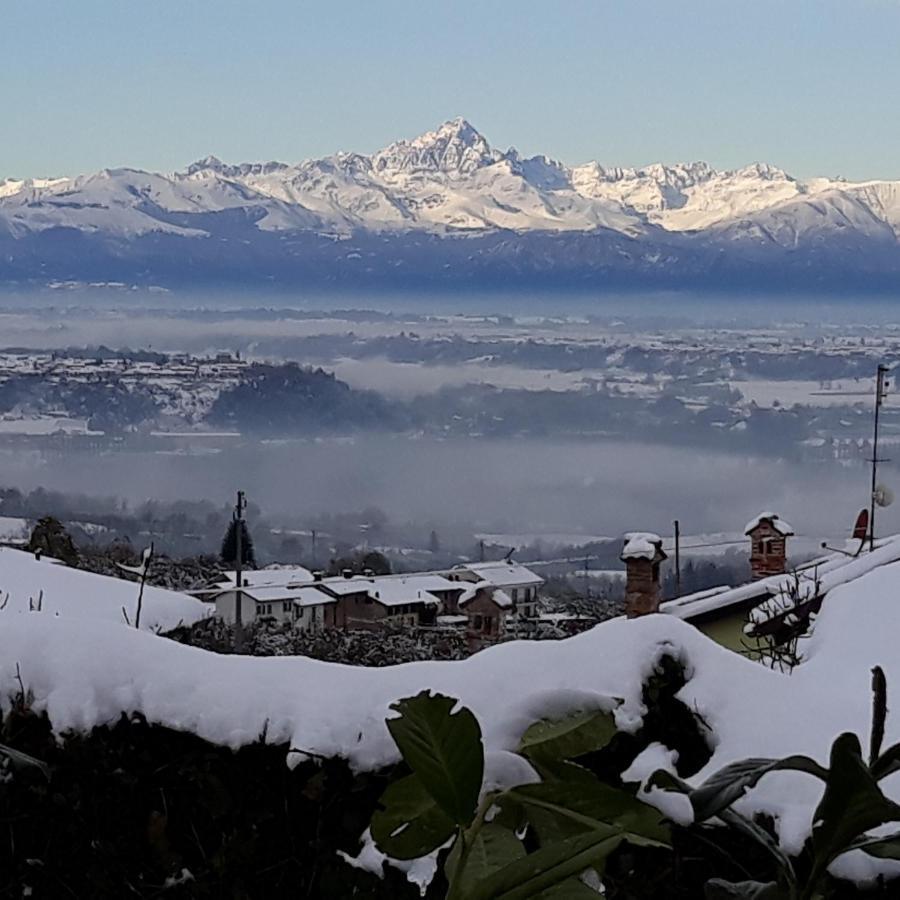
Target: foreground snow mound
<point x="28" y="585"/>
<point x="85" y="673"/>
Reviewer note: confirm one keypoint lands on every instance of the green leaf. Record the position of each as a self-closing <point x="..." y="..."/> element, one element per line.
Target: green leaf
<point x="887" y="763"/>
<point x="570" y="737"/>
<point x="720" y="790"/>
<point x="560" y="810"/>
<point x="548" y="866"/>
<point x="885" y="847"/>
<point x="666" y="781"/>
<point x="410" y="824"/>
<point x="492" y="848"/>
<point x="20" y="760"/>
<point x="443" y="749"/>
<point x="851" y="805"/>
<point x="570" y="889"/>
<point x="750" y="829"/>
<point x="718" y="889"/>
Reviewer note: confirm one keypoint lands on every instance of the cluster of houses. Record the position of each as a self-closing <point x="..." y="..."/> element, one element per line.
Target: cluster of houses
<point x="488" y="600"/>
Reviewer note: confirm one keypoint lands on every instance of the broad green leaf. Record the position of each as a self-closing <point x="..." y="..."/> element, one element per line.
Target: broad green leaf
<point x="570" y="889"/>
<point x="762" y="837"/>
<point x="492" y="848"/>
<point x="570" y="737"/>
<point x="720" y="790"/>
<point x="410" y="824"/>
<point x="560" y="810"/>
<point x="443" y="749"/>
<point x="548" y="866"/>
<point x="22" y="760"/>
<point x="851" y="805"/>
<point x="666" y="781"/>
<point x="718" y="889"/>
<point x="885" y="847"/>
<point x="887" y="763"/>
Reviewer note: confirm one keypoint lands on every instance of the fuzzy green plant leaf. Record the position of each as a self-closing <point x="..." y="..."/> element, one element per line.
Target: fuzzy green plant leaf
<point x="410" y="824"/>
<point x="493" y="847"/>
<point x="851" y="805"/>
<point x="883" y="847"/>
<point x="20" y="760"/>
<point x="561" y="810"/>
<point x="548" y="866"/>
<point x="569" y="737"/>
<point x="570" y="889"/>
<point x="718" y="889"/>
<point x="444" y="750"/>
<point x="720" y="790"/>
<point x="887" y="763"/>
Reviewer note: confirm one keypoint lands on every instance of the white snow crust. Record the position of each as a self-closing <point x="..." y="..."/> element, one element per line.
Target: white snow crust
<point x="86" y="671"/>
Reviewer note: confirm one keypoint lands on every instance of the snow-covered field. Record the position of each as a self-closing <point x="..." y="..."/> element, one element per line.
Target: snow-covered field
<point x="73" y="594"/>
<point x="787" y="393"/>
<point x="87" y="671"/>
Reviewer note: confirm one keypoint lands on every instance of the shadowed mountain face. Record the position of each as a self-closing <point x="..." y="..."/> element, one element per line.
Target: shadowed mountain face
<point x="447" y="209"/>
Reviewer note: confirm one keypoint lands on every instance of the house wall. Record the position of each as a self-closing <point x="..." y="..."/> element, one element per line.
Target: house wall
<point x="487" y="622"/>
<point x="225" y="604"/>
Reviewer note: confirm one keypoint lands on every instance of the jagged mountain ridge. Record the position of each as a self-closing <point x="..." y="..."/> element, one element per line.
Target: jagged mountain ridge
<point x="451" y="183"/>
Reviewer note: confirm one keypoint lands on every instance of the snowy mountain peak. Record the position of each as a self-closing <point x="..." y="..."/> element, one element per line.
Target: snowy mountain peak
<point x="455" y="148"/>
<point x="207" y="164"/>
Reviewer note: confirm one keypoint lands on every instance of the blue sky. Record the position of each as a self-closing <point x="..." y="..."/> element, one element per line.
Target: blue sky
<point x="810" y="85"/>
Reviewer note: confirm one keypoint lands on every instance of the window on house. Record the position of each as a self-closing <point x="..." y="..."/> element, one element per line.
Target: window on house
<point x="477" y="623"/>
<point x="515" y="594"/>
<point x="488" y="624"/>
<point x="286" y="606"/>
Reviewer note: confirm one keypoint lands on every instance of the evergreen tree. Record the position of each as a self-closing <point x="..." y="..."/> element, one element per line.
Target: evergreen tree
<point x="229" y="545"/>
<point x="49" y="537"/>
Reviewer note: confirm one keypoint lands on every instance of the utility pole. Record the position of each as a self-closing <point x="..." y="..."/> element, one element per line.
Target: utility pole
<point x="239" y="508"/>
<point x="677" y="558"/>
<point x="481" y="551"/>
<point x="315" y="561"/>
<point x="587" y="580"/>
<point x="880" y="391"/>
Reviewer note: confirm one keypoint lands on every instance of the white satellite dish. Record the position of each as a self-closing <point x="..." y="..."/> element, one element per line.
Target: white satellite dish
<point x="883" y="495"/>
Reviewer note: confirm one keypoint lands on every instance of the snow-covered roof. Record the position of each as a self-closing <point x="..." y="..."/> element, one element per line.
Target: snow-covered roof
<point x="814" y="578"/>
<point x="502" y="599"/>
<point x="392" y="590"/>
<point x="274" y="575"/>
<point x="302" y="596"/>
<point x="14" y="530"/>
<point x="70" y="592"/>
<point x="84" y="674"/>
<point x="501" y="573"/>
<point x="641" y="545"/>
<point x="310" y="596"/>
<point x="774" y="520"/>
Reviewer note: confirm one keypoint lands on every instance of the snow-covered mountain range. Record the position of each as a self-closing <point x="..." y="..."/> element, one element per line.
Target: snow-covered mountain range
<point x="521" y="216"/>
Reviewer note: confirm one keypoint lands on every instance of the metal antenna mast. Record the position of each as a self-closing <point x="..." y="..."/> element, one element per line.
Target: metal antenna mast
<point x="239" y="508"/>
<point x="880" y="391"/>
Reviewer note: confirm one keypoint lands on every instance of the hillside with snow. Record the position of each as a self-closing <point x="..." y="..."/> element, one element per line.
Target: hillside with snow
<point x="447" y="206"/>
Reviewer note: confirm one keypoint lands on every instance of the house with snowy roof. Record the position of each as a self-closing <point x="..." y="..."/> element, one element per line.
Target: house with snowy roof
<point x="518" y="582"/>
<point x="372" y="601"/>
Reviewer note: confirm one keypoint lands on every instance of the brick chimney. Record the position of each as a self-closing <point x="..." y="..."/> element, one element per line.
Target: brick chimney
<point x="642" y="555"/>
<point x="768" y="535"/>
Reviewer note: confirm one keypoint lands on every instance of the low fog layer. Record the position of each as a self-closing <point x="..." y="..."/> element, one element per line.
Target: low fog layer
<point x="507" y="485"/>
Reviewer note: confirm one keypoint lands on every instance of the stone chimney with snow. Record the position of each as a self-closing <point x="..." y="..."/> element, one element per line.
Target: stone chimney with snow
<point x="768" y="535"/>
<point x="642" y="555"/>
